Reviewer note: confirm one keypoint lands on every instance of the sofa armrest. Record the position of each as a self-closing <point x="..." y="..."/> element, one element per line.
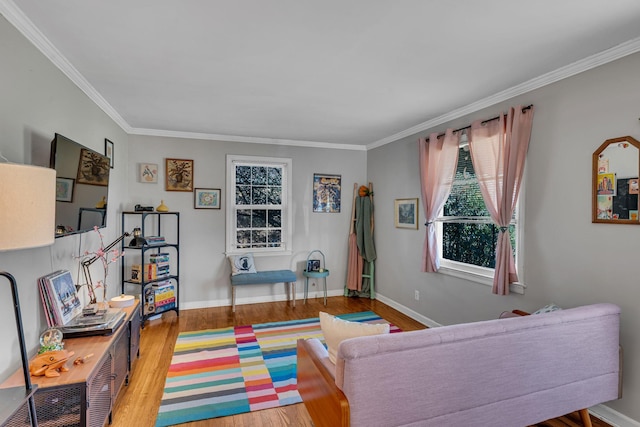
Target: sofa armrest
<point x="326" y="403"/>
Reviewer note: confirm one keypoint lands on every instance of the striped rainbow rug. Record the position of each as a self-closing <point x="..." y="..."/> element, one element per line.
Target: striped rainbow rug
<point x="219" y="372"/>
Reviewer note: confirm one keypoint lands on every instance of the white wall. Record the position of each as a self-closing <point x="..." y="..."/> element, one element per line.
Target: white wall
<point x="204" y="271"/>
<point x="567" y="259"/>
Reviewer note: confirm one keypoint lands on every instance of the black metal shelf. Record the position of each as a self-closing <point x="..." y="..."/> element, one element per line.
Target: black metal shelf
<point x="140" y="217"/>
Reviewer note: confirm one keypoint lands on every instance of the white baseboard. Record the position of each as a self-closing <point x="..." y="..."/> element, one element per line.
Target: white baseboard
<point x="407" y="311"/>
<point x="256" y="300"/>
<point x="610" y="416"/>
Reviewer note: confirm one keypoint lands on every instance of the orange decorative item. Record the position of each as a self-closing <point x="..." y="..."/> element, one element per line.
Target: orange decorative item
<point x="50" y="363"/>
<point x="363" y="191"/>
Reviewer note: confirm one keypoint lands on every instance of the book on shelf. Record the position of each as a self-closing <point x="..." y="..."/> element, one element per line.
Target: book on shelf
<point x="154" y="240"/>
<point x="159" y="258"/>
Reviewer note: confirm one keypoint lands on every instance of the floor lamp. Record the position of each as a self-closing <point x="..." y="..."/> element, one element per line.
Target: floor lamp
<point x="27" y="220"/>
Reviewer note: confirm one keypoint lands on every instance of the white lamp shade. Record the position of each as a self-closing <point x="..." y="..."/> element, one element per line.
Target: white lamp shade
<point x="27" y="206"/>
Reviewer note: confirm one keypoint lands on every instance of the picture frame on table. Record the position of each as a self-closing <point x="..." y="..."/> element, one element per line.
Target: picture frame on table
<point x="206" y="198"/>
<point x="64" y="189"/>
<point x="406" y="213"/>
<point x="313" y="264"/>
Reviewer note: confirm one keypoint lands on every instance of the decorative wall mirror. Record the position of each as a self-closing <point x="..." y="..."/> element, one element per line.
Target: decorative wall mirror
<point x="616" y="164"/>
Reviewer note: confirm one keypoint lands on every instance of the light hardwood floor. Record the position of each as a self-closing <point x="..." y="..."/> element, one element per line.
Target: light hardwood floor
<point x="138" y="403"/>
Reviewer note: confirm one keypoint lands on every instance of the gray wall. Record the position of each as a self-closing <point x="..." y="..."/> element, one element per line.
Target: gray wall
<point x="37" y="100"/>
<point x="204" y="268"/>
<point x="567" y="259"/>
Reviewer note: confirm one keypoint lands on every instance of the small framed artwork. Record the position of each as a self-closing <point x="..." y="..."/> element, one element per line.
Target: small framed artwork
<point x="148" y="173"/>
<point x="108" y="151"/>
<point x="206" y="198"/>
<point x="179" y="175"/>
<point x="326" y="193"/>
<point x="406" y="213"/>
<point x="313" y="264"/>
<point x="64" y="189"/>
<point x="93" y="168"/>
<point x="607" y="184"/>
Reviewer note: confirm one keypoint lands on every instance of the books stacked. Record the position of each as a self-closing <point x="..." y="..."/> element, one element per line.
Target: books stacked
<point x="59" y="298"/>
<point x="154" y="240"/>
<point x="161" y="261"/>
<point x="164" y="296"/>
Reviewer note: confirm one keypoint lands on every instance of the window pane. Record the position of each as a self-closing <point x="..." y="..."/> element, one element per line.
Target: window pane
<point x="243" y="218"/>
<point x="259" y="238"/>
<point x="243" y="175"/>
<point x="243" y="239"/>
<point x="465" y="198"/>
<point x="274" y="176"/>
<point x="259" y="196"/>
<point x="259" y="175"/>
<point x="259" y="218"/>
<point x="243" y="193"/>
<point x="275" y="218"/>
<point x="472" y="243"/>
<point x="274" y="195"/>
<point x="275" y="238"/>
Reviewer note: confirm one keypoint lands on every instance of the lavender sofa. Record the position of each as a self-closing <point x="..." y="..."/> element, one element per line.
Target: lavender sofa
<point x="505" y="372"/>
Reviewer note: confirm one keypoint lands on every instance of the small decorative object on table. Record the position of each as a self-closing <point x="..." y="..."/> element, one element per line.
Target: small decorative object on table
<point x="162" y="207"/>
<point x="106" y="255"/>
<point x="50" y="363"/>
<point x="50" y="340"/>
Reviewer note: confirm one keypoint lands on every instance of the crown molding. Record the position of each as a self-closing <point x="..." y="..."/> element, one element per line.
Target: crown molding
<point x="624" y="49"/>
<point x="18" y="19"/>
<point x="246" y="139"/>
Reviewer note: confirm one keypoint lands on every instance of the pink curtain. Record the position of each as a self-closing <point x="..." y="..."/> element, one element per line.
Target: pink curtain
<point x="438" y="161"/>
<point x="498" y="152"/>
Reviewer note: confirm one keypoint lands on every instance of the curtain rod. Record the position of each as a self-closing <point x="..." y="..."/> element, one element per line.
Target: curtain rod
<point x="528" y="107"/>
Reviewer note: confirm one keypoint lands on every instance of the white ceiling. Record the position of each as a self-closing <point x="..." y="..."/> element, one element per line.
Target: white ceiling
<point x="316" y="72"/>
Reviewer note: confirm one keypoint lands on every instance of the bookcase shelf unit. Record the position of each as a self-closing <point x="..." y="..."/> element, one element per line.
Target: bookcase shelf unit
<point x="151" y="224"/>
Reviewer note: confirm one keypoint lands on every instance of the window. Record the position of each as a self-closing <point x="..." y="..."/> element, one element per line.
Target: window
<point x="466" y="233"/>
<point x="258" y="207"/>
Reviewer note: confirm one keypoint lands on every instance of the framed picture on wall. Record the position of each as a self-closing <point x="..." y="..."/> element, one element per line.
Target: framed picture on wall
<point x="326" y="193"/>
<point x="406" y="213"/>
<point x="148" y="173"/>
<point x="206" y="198"/>
<point x="108" y="151"/>
<point x="179" y="175"/>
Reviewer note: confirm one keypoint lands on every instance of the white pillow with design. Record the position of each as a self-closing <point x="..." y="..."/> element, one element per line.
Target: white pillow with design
<point x="336" y="330"/>
<point x="241" y="264"/>
<point x="547" y="309"/>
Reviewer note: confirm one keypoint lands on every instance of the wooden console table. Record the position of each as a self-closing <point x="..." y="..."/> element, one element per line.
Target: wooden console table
<point x="84" y="396"/>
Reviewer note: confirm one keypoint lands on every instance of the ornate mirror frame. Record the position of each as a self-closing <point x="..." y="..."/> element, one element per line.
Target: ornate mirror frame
<point x="616" y="167"/>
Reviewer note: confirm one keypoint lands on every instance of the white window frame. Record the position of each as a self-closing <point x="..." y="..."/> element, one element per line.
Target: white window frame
<point x="231" y="207"/>
<point x="484" y="275"/>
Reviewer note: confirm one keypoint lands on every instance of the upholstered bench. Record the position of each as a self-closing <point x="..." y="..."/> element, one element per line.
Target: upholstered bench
<point x="264" y="277"/>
